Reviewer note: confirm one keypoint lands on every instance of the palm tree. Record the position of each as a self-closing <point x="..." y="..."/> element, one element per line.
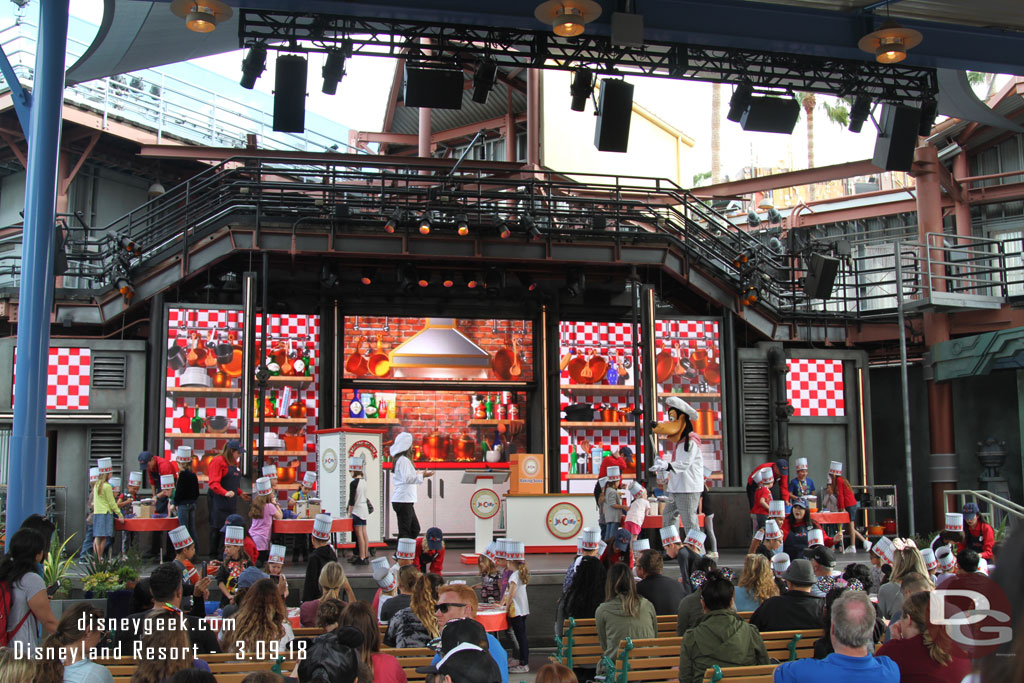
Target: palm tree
<point x="716" y="133"/>
<point x="837" y="111"/>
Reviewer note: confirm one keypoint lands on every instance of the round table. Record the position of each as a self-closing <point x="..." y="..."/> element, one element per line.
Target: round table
<point x="305" y="526"/>
<point x="494" y="620"/>
<point x="153" y="524"/>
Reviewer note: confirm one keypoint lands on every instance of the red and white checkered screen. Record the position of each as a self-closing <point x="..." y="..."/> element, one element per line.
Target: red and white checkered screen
<point x="67" y="378"/>
<point x="814" y="387"/>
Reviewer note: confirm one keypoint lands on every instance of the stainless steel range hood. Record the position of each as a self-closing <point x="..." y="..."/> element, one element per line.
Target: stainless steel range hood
<point x="440" y="350"/>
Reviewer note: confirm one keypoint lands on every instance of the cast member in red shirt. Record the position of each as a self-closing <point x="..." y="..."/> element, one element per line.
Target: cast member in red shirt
<point x="979" y="536"/>
<point x="430" y="552"/>
<point x="155" y="466"/>
<point x="848" y="502"/>
<point x="225" y="484"/>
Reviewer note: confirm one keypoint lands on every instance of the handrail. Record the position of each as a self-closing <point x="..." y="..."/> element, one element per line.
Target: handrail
<point x="992" y="499"/>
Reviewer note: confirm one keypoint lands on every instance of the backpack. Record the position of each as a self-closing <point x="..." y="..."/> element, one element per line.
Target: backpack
<point x="6" y="602"/>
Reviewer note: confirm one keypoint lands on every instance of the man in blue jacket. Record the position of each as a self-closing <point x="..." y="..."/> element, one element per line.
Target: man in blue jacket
<point x="457" y="601"/>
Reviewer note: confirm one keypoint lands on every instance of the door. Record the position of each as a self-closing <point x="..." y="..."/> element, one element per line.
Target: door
<point x="452" y="512"/>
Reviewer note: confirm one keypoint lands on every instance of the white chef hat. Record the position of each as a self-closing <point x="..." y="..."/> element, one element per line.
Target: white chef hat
<point x="780" y="563"/>
<point x="263" y="486"/>
<point x="884" y="548"/>
<point x="322" y="527"/>
<point x="670" y="535"/>
<point x="115" y="483"/>
<point x="772" y="532"/>
<point x="516" y="551"/>
<point x="635" y="488"/>
<point x="682" y="406"/>
<point x="695" y="539"/>
<point x="388" y="582"/>
<point x="815" y="537"/>
<point x="928" y="555"/>
<point x="94" y="474"/>
<point x="614" y="472"/>
<point x="777" y="508"/>
<point x="954" y="521"/>
<point x="835" y="467"/>
<point x="403" y="442"/>
<point x="166" y="481"/>
<point x="602" y="481"/>
<point x="801" y="464"/>
<point x="106" y="465"/>
<point x="406" y="549"/>
<point x="234" y="535"/>
<point x="640" y="545"/>
<point x="579" y="544"/>
<point x="277" y="553"/>
<point x="380" y="567"/>
<point x="491" y="551"/>
<point x="601" y="547"/>
<point x="946" y="559"/>
<point x="183" y="454"/>
<point x="270" y="471"/>
<point x="181" y="538"/>
<point x="357" y="462"/>
<point x="135" y="478"/>
<point x="591" y="537"/>
<point x="309" y="478"/>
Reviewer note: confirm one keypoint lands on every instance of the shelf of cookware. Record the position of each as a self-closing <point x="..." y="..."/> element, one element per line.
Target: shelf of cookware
<point x="286" y="380"/>
<point x="201" y="435"/>
<point x="283" y="421"/>
<point x="371" y="421"/>
<point x="494" y="423"/>
<point x="615" y="426"/>
<point x="204" y="392"/>
<point x="282" y="454"/>
<point x="598" y="388"/>
<point x="690" y="397"/>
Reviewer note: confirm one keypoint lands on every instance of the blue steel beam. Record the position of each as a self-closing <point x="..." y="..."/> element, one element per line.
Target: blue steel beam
<point x="26" y="491"/>
<point x="718" y="23"/>
<point x="22" y="98"/>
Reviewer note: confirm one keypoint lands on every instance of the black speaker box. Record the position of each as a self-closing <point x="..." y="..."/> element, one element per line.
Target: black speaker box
<point x="771" y="115"/>
<point x="290" y="94"/>
<point x="433" y="88"/>
<point x="897" y="137"/>
<point x="615" y="110"/>
<point x="821" y="276"/>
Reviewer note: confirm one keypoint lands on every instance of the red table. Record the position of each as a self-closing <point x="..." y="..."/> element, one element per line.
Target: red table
<point x="655" y="521"/>
<point x="305" y="526"/>
<point x="830" y="517"/>
<point x="155" y="524"/>
<point x="493" y="620"/>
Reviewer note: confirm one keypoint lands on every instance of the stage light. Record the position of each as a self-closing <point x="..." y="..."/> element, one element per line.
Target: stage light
<point x="753" y="220"/>
<point x="929" y="110"/>
<point x="582" y="86"/>
<point x="367" y="276"/>
<point x="425" y="223"/>
<point x="528" y="282"/>
<point x="393" y="220"/>
<point x="741" y="259"/>
<point x="739" y="101"/>
<point x="423" y="280"/>
<point x="254" y="64"/>
<point x="407" y="277"/>
<point x="484" y="79"/>
<point x="890" y="43"/>
<point x="328" y="278"/>
<point x="462" y="224"/>
<point x="567" y="18"/>
<point x="859" y="113"/>
<point x="504" y="232"/>
<point x="469" y="277"/>
<point x="447" y="280"/>
<point x="750" y="296"/>
<point x="125" y="288"/>
<point x="128" y="244"/>
<point x="575" y="282"/>
<point x="333" y="71"/>
<point x="494" y="281"/>
<point x="774" y="217"/>
<point x="530" y="225"/>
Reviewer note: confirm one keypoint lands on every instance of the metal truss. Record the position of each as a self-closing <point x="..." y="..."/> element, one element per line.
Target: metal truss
<point x="462" y="46"/>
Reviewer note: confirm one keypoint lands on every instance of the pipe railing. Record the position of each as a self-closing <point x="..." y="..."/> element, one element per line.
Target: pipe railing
<point x="984" y="498"/>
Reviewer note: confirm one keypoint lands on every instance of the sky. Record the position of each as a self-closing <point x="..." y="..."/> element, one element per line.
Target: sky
<point x="362" y="98"/>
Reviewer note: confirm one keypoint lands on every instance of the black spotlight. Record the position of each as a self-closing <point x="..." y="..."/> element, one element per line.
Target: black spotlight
<point x="333" y="71"/>
<point x="367" y="276"/>
<point x="859" y="113"/>
<point x="462" y="224"/>
<point x="423" y="280"/>
<point x="290" y="94"/>
<point x="504" y="232"/>
<point x="582" y="86"/>
<point x="447" y="279"/>
<point x="470" y="279"/>
<point x="575" y="282"/>
<point x="425" y="223"/>
<point x="529" y="284"/>
<point x="740" y="101"/>
<point x="599" y="223"/>
<point x="393" y="220"/>
<point x="753" y="220"/>
<point x="328" y="278"/>
<point x="253" y="65"/>
<point x="531" y="228"/>
<point x="407" y="277"/>
<point x="483" y="80"/>
<point x="929" y="110"/>
<point x="494" y="281"/>
<point x="774" y="217"/>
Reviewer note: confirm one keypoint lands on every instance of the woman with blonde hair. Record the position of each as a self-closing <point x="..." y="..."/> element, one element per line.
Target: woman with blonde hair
<point x="167" y="637"/>
<point x="906" y="560"/>
<point x="261" y="620"/>
<point x="756" y="584"/>
<point x="922" y="655"/>
<point x="332" y="581"/>
<point x="624" y="612"/>
<point x="382" y="667"/>
<point x="20" y="669"/>
<point x="76" y="640"/>
<point x="416" y="625"/>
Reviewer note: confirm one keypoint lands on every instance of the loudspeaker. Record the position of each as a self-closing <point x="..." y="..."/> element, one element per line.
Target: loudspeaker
<point x="798" y="239"/>
<point x="821" y="276"/>
<point x="615" y="110"/>
<point x="771" y="115"/>
<point x="433" y="88"/>
<point x="897" y="137"/>
<point x="290" y="94"/>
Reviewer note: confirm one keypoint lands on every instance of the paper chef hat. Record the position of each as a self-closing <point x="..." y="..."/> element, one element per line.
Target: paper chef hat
<point x="106" y="465"/>
<point x="322" y="527"/>
<point x="777" y="508"/>
<point x="357" y="463"/>
<point x="670" y="535"/>
<point x="815" y="537"/>
<point x="277" y="553"/>
<point x="635" y="488"/>
<point x="234" y="535"/>
<point x="772" y="532"/>
<point x="263" y="486"/>
<point x="579" y="545"/>
<point x="388" y="582"/>
<point x="835" y="467"/>
<point x="614" y="472"/>
<point x="166" y="481"/>
<point x="406" y="549"/>
<point x="954" y="521"/>
<point x="270" y="471"/>
<point x="516" y="551"/>
<point x="380" y="567"/>
<point x="309" y="478"/>
<point x="928" y="555"/>
<point x="884" y="548"/>
<point x="491" y="551"/>
<point x="780" y="563"/>
<point x="115" y="483"/>
<point x="801" y="464"/>
<point x="180" y="538"/>
<point x="945" y="558"/>
<point x="695" y="539"/>
<point x="640" y="545"/>
<point x="94" y="474"/>
<point x="135" y="478"/>
<point x="591" y="538"/>
<point x="601" y="547"/>
<point x="183" y="454"/>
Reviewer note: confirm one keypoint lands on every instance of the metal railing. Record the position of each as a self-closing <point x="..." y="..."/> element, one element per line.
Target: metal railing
<point x="993" y="506"/>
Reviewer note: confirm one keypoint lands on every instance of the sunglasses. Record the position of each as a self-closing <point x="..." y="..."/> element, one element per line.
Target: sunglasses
<point x="443" y="607"/>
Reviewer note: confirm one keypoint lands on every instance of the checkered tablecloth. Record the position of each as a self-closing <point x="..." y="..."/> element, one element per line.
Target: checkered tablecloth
<point x="68" y="377"/>
<point x="814" y="387"/>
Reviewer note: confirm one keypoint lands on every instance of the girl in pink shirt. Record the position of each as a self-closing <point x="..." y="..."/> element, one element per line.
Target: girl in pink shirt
<point x="638" y="510"/>
<point x="262" y="512"/>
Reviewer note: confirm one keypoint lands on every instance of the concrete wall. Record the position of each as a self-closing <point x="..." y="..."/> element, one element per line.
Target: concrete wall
<point x="988" y="406"/>
<point x="72" y="446"/>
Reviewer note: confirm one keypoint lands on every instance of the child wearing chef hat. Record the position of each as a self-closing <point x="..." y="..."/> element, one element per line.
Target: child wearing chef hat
<point x="803" y="485"/>
<point x="359" y="508"/>
<point x="186" y="491"/>
<point x="104" y="507"/>
<point x="125" y="498"/>
<point x="262" y="513"/>
<point x="848" y="502"/>
<point x="235" y="559"/>
<point x="638" y="510"/>
<point x="275" y="559"/>
<point x="759" y="511"/>
<point x="300" y="544"/>
<point x="323" y="553"/>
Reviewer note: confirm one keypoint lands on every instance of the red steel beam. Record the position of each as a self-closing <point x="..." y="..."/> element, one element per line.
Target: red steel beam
<point x="807" y="176"/>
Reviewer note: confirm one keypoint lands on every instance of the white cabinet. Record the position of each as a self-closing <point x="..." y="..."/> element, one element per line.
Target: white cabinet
<point x="443" y="501"/>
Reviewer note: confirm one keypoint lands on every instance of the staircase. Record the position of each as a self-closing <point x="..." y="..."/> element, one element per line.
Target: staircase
<point x="995" y="509"/>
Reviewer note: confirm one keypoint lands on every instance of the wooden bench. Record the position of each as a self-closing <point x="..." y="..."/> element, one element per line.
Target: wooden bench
<point x="763" y="673"/>
<point x="232" y="671"/>
<point x="657" y="659"/>
<point x="409" y="658"/>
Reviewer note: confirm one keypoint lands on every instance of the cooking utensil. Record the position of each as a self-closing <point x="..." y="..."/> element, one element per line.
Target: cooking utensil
<point x="579" y="412"/>
<point x="195" y="355"/>
<point x="577" y="366"/>
<point x="609" y="414"/>
<point x="356" y="363"/>
<point x="233" y="368"/>
<point x="176" y="359"/>
<point x="502" y="362"/>
<point x="221" y="379"/>
<point x="217" y="424"/>
<point x="597" y="367"/>
<point x="435" y="446"/>
<point x="664" y="365"/>
<point x="713" y="373"/>
<point x="195" y="377"/>
<point x="378" y="362"/>
<point x="225" y="352"/>
<point x="705" y="421"/>
<point x="286" y="475"/>
<point x="210" y="360"/>
<point x="287" y="368"/>
<point x="465" y="448"/>
<point x="516" y="369"/>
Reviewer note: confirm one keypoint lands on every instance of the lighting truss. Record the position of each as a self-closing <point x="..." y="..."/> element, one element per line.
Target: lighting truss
<point x="461" y="46"/>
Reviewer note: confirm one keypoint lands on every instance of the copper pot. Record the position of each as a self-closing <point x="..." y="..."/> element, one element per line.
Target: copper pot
<point x="706" y="422"/>
<point x="435" y="446"/>
<point x="286" y="475"/>
<point x="609" y="415"/>
<point x="465" y="448"/>
<point x="664" y="365"/>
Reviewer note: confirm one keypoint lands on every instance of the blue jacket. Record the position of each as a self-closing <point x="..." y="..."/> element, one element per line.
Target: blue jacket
<point x="838" y="668"/>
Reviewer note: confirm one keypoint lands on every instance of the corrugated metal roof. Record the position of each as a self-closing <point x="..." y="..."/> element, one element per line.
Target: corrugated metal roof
<point x="406" y="120"/>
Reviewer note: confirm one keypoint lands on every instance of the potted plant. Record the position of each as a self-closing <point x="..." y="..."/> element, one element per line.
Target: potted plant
<point x="57" y="566"/>
<point x="98" y="584"/>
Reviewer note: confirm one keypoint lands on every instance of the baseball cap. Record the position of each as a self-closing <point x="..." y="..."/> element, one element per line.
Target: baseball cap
<point x="622" y="539"/>
<point x="821" y="555"/>
<point x="466" y="663"/>
<point x="434" y="538"/>
<point x="458" y="631"/>
<point x="233" y="520"/>
<point x="145" y="457"/>
<point x="970" y="510"/>
<point x="235" y="445"/>
<point x="249" y="576"/>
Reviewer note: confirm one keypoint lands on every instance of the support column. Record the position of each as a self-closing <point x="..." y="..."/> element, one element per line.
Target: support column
<point x="943" y="459"/>
<point x="962" y="207"/>
<point x="533" y="117"/>
<point x="27" y="466"/>
<point x="424" y="133"/>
